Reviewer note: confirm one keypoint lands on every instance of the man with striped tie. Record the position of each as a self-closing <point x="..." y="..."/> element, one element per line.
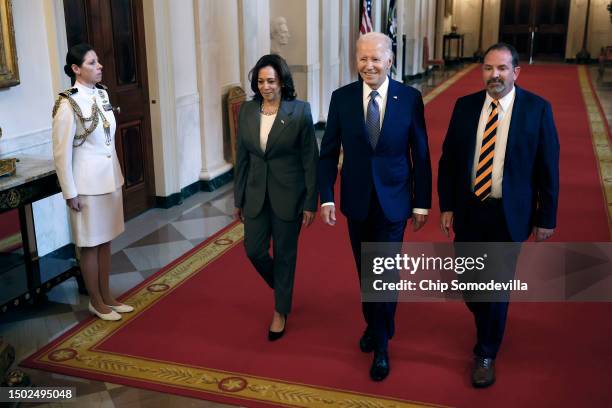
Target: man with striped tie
<point x="386" y="172"/>
<point x="498" y="181"/>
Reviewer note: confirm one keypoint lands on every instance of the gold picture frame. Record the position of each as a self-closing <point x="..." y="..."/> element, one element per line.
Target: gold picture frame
<point x="448" y="8"/>
<point x="9" y="70"/>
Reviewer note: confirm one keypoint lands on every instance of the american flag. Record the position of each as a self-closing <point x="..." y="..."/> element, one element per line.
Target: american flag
<point x="392" y="31"/>
<point x="366" y="20"/>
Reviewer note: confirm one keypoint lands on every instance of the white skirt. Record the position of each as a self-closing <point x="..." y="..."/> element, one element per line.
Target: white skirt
<point x="100" y="219"/>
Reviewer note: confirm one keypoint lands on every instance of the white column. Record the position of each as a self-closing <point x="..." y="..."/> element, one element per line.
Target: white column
<point x="411" y="29"/>
<point x="349" y="32"/>
<point x="187" y="95"/>
<point x="254" y="26"/>
<point x="208" y="54"/>
<point x="399" y="55"/>
<point x="330" y="58"/>
<point x="158" y="37"/>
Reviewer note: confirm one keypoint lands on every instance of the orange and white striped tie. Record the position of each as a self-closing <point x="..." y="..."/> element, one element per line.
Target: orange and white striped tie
<point x="484" y="171"/>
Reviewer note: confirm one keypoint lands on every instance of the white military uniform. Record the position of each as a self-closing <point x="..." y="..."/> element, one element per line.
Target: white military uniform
<point x="90" y="171"/>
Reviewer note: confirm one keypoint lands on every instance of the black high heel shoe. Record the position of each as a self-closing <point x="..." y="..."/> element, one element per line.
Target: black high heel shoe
<point x="273" y="336"/>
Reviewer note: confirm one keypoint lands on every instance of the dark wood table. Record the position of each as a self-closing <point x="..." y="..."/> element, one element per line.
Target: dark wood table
<point x="447" y="43"/>
<point x="28" y="279"/>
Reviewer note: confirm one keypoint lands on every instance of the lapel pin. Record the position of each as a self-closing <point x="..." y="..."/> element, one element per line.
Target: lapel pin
<point x="282" y="121"/>
<point x="394" y="96"/>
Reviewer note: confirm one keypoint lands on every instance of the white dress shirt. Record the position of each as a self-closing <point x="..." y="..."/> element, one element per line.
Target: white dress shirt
<point x="265" y="126"/>
<point x="504" y="113"/>
<point x="381" y="100"/>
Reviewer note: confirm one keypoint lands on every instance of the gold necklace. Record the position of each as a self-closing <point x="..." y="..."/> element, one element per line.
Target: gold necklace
<point x="263" y="112"/>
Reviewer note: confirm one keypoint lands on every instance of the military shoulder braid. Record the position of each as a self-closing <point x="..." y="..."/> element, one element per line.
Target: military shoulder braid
<point x="79" y="139"/>
<point x="62" y="95"/>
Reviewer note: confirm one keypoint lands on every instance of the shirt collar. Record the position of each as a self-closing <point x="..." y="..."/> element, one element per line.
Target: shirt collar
<point x="85" y="89"/>
<point x="382" y="90"/>
<point x="504" y="102"/>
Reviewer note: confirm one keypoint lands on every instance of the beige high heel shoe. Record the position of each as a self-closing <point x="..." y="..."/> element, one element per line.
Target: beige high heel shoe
<point x="111" y="316"/>
<point x="122" y="308"/>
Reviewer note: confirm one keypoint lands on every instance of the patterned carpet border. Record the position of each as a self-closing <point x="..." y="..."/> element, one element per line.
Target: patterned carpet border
<point x="600" y="136"/>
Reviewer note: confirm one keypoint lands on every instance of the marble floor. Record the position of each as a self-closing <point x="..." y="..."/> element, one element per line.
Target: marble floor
<point x="151" y="241"/>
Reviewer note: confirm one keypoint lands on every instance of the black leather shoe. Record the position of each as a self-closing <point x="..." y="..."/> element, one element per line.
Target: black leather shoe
<point x="273" y="336"/>
<point x="380" y="366"/>
<point x="366" y="342"/>
<point x="483" y="373"/>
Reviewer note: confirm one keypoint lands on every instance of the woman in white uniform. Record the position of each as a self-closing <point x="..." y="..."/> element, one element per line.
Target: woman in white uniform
<point x="89" y="174"/>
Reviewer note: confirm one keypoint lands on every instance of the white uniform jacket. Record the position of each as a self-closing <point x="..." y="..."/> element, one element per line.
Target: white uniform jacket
<point x="93" y="167"/>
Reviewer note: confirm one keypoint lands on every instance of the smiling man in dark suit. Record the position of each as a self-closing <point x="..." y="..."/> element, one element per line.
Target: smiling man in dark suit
<point x="498" y="181"/>
<point x="386" y="171"/>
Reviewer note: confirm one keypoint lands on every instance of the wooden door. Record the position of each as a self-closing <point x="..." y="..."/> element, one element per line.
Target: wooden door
<point x="115" y="28"/>
<point x="543" y="21"/>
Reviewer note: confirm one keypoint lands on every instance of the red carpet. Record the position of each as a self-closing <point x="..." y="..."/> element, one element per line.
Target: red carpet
<point x="201" y="331"/>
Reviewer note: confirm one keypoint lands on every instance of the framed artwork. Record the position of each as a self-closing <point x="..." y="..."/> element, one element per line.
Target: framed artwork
<point x="9" y="71"/>
<point x="448" y="8"/>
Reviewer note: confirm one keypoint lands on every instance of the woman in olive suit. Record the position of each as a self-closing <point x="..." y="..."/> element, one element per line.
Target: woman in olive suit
<point x="275" y="180"/>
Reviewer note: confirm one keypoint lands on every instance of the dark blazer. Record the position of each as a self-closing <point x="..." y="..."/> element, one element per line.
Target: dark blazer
<point x="286" y="171"/>
<point x="530" y="185"/>
<point x="399" y="168"/>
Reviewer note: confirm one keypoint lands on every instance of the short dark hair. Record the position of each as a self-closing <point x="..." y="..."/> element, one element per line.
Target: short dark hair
<point x="76" y="56"/>
<point x="507" y="47"/>
<point x="282" y="72"/>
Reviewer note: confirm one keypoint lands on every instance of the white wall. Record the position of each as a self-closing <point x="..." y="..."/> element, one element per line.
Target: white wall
<point x="466" y="16"/>
<point x="158" y="39"/>
<point x="25" y="110"/>
<point x="467" y="19"/>
<point x="599" y="32"/>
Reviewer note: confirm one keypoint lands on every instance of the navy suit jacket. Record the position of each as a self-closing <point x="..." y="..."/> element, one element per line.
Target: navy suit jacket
<point x="530" y="184"/>
<point x="399" y="169"/>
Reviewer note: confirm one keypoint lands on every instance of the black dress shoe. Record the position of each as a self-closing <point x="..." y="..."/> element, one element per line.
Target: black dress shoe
<point x="273" y="336"/>
<point x="366" y="342"/>
<point x="483" y="373"/>
<point x="380" y="366"/>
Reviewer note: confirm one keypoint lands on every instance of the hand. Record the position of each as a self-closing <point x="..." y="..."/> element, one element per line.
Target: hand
<point x="446" y="222"/>
<point x="542" y="234"/>
<point x="308" y="218"/>
<point x="328" y="215"/>
<point x="238" y="214"/>
<point x="74" y="204"/>
<point x="418" y="220"/>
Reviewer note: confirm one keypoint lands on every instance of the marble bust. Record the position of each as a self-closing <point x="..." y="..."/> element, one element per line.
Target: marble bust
<point x="279" y="35"/>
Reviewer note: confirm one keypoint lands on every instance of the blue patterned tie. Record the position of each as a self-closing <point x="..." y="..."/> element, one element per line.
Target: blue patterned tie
<point x="373" y="120"/>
